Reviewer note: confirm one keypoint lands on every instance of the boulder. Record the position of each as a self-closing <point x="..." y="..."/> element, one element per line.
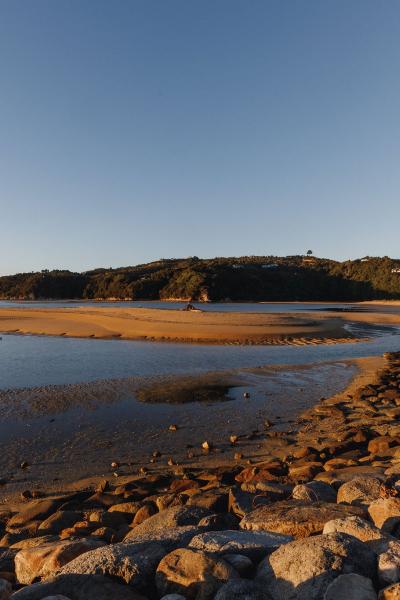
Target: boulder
<point x="360" y="491"/>
<point x="356" y="526"/>
<point x="134" y="564"/>
<point x="59" y="521"/>
<point x="170" y="537"/>
<point x="254" y="544"/>
<point x="305" y="471"/>
<point x="146" y="511"/>
<point x="36" y="510"/>
<point x="45" y="560"/>
<point x="385" y="513"/>
<point x="297" y="518"/>
<point x="193" y="574"/>
<point x="219" y="521"/>
<point x="175" y="516"/>
<point x="114" y="520"/>
<point x="240" y="590"/>
<point x="214" y="500"/>
<point x="128" y="508"/>
<point x="78" y="587"/>
<point x="389" y="564"/>
<point x="303" y="569"/>
<point x="391" y="592"/>
<point x="34" y="541"/>
<point x="350" y="587"/>
<point x="240" y="502"/>
<point x="348" y="473"/>
<point x="314" y="491"/>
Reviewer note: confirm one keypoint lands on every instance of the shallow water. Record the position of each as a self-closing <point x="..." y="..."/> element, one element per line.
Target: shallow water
<point x="68" y="405"/>
<point x="28" y="361"/>
<point x="210" y="306"/>
<point x="67" y="432"/>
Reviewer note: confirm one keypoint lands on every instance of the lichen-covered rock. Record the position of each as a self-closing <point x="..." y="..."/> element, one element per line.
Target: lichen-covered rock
<point x="360" y="491"/>
<point x="58" y="521"/>
<point x="254" y="544"/>
<point x="46" y="560"/>
<point x="134" y="564"/>
<point x="34" y="541"/>
<point x="314" y="491"/>
<point x="297" y="518"/>
<point x="303" y="569"/>
<point x="361" y="529"/>
<point x="385" y="513"/>
<point x="193" y="574"/>
<point x="391" y="592"/>
<point x="170" y="537"/>
<point x="389" y="564"/>
<point x="34" y="510"/>
<point x="176" y="516"/>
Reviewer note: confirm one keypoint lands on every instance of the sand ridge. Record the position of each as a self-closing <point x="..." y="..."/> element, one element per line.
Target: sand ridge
<point x="175" y="325"/>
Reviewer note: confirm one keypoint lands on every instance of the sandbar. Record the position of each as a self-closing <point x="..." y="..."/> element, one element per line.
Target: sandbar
<point x="176" y="325"/>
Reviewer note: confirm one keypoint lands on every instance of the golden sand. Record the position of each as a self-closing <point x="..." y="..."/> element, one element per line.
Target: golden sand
<point x="174" y="325"/>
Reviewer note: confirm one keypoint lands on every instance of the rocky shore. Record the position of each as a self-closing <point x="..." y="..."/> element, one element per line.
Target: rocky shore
<point x="318" y="518"/>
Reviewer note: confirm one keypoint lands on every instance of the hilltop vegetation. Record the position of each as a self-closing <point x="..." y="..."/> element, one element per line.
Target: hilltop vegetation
<point x="249" y="278"/>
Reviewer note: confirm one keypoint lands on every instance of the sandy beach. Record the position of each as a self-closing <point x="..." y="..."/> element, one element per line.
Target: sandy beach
<point x="174" y="325"/>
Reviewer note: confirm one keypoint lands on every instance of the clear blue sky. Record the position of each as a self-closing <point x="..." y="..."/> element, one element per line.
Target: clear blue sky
<point x="132" y="130"/>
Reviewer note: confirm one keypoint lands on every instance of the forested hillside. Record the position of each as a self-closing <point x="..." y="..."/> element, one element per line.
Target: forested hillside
<point x="249" y="278"/>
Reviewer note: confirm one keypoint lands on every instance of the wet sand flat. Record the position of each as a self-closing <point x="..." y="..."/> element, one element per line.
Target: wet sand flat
<point x="174" y="325"/>
<point x="71" y="432"/>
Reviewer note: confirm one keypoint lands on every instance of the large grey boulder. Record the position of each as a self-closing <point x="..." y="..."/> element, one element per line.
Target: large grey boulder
<point x="176" y="516"/>
<point x="350" y="587"/>
<point x="254" y="544"/>
<point x="303" y="569"/>
<point x="297" y="518"/>
<point x="78" y="587"/>
<point x="134" y="564"/>
<point x="193" y="574"/>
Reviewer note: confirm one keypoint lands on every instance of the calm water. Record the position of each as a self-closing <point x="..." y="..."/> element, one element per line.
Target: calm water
<point x="28" y="361"/>
<point x="79" y="429"/>
<point x="211" y="306"/>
